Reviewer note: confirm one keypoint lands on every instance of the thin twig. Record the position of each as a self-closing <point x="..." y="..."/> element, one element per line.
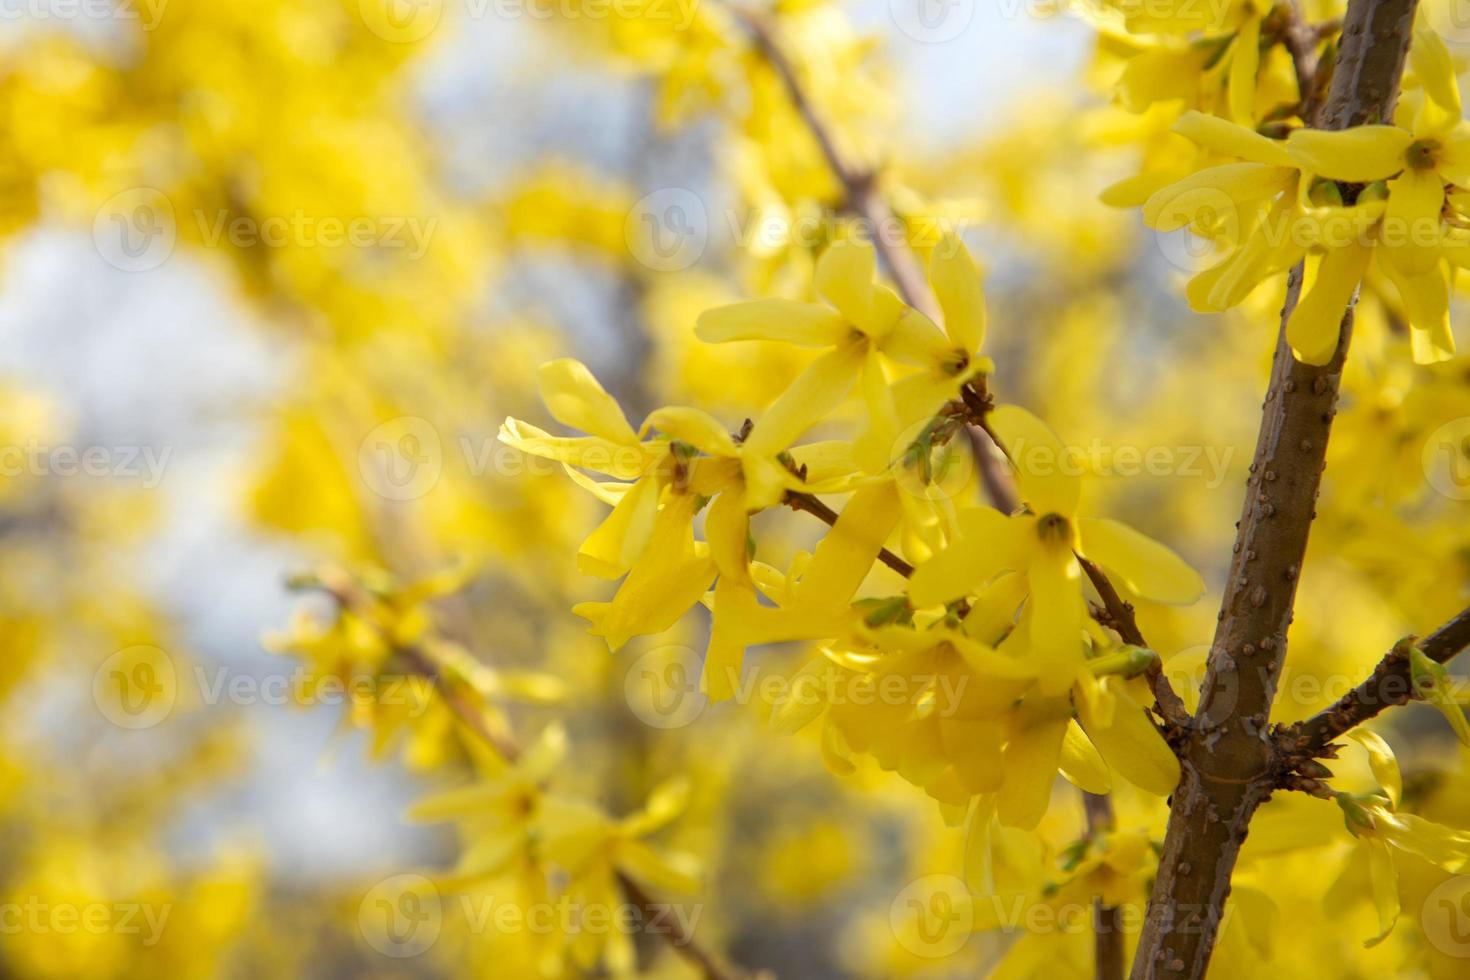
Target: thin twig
<point x="1391" y="683"/>
<point x="350" y="597"/>
<point x="810" y="504"/>
<point x="1107" y="920"/>
<point x="1121" y="618"/>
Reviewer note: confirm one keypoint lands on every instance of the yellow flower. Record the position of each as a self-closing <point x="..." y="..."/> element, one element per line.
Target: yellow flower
<point x="1042" y="543"/>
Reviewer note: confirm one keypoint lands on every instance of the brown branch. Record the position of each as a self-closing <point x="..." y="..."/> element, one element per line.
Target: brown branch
<point x="810" y="504"/>
<point x="349" y="596"/>
<point x="1120" y="617"/>
<point x="1391" y="683"/>
<point x="1228" y="759"/>
<point x="860" y="185"/>
<point x="1107" y="920"/>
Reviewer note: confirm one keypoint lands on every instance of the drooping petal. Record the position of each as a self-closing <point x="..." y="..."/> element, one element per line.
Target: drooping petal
<point x="1056" y="616"/>
<point x="1427" y="302"/>
<point x="784" y="320"/>
<point x="574" y="398"/>
<point x="1130" y="743"/>
<point x="1384" y="879"/>
<point x="1232" y="139"/>
<point x="958" y="284"/>
<point x="1031" y="759"/>
<point x="618" y="541"/>
<point x="846" y="555"/>
<point x="1047" y="472"/>
<point x="1146" y="567"/>
<point x="915" y="339"/>
<point x="985" y="546"/>
<point x="1360" y="154"/>
<point x="1412" y="226"/>
<point x="1082" y="764"/>
<point x="1315" y="325"/>
<point x="1214" y="196"/>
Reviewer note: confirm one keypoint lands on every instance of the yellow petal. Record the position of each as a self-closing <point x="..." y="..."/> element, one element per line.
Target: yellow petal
<point x="984" y="547"/>
<point x="1454" y="156"/>
<point x="1316" y="324"/>
<point x="915" y="340"/>
<point x="958" y="285"/>
<point x="1412" y="226"/>
<point x="1049" y="475"/>
<point x="1382" y="761"/>
<point x="1360" y="154"/>
<point x="1131" y="744"/>
<point x="1147" y="568"/>
<point x="1427" y="302"/>
<point x="621" y="460"/>
<point x="1385" y="883"/>
<point x="1244" y="63"/>
<point x="846" y="555"/>
<point x="694" y="427"/>
<point x="1232" y="140"/>
<point x="813" y="396"/>
<point x="1081" y="763"/>
<point x="618" y="542"/>
<point x="574" y="398"/>
<point x="802" y="324"/>
<point x="1031" y="760"/>
<point x="1435" y="70"/>
<point x="844" y="277"/>
<point x="1056" y="614"/>
<point x="1214" y="197"/>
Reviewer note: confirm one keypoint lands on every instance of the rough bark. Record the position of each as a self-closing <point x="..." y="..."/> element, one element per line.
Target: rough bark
<point x="1227" y="755"/>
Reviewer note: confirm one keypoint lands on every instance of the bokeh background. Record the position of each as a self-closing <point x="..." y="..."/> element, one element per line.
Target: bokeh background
<point x="275" y="271"/>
